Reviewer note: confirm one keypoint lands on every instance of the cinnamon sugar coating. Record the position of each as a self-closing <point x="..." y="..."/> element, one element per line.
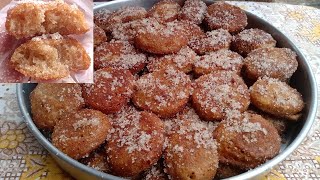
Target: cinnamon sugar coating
<point x="226" y="16"/>
<point x="119" y="55"/>
<point x="278" y="63"/>
<point x="217" y="94"/>
<point x="191" y="150"/>
<point x="81" y="132"/>
<point x="212" y="41"/>
<point x="164" y="92"/>
<point x="135" y="143"/>
<point x="158" y="38"/>
<point x="111" y="91"/>
<point x="164" y="11"/>
<point x="250" y="39"/>
<point x="193" y="11"/>
<point x="276" y="97"/>
<point x="246" y="140"/>
<point x="50" y="102"/>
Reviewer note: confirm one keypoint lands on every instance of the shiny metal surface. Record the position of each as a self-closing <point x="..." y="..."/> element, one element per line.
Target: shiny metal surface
<point x="302" y="79"/>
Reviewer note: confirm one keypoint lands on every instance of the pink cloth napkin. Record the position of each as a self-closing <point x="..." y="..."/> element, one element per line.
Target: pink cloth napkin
<point x="8" y="44"/>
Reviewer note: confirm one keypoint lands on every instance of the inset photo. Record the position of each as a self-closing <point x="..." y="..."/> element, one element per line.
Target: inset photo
<point x="47" y="41"/>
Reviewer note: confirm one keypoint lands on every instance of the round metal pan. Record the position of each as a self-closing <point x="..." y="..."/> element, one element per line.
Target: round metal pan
<point x="302" y="79"/>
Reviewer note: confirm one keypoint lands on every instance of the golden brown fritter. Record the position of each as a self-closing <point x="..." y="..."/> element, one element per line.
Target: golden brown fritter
<point x="191" y="151"/>
<point x="251" y="39"/>
<point x="226" y="16"/>
<point x="219" y="93"/>
<point x="219" y="60"/>
<point x="30" y="25"/>
<point x="276" y="97"/>
<point x="49" y="59"/>
<point x="164" y="92"/>
<point x="111" y="91"/>
<point x="157" y="38"/>
<point x="278" y="63"/>
<point x="81" y="132"/>
<point x="120" y="55"/>
<point x="182" y="60"/>
<point x="124" y="15"/>
<point x="246" y="140"/>
<point x="164" y="11"/>
<point x="135" y="143"/>
<point x="31" y="19"/>
<point x="50" y="102"/>
<point x="212" y="41"/>
<point x="193" y="11"/>
<point x="65" y="19"/>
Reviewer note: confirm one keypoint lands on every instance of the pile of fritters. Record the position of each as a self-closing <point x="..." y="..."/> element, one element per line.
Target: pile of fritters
<point x="187" y="93"/>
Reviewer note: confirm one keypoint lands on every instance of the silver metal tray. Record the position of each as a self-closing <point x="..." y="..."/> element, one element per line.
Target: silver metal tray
<point x="302" y="79"/>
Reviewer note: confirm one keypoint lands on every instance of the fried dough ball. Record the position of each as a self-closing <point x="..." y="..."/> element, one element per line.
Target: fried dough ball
<point x="48" y="59"/>
<point x="191" y="151"/>
<point x="135" y="143"/>
<point x="50" y="102"/>
<point x="219" y="60"/>
<point x="111" y="91"/>
<point x="65" y="19"/>
<point x="246" y="140"/>
<point x="226" y="16"/>
<point x="164" y="92"/>
<point x="276" y="97"/>
<point x="183" y="61"/>
<point x="251" y="39"/>
<point x="97" y="160"/>
<point x="30" y="19"/>
<point x="81" y="132"/>
<point x="126" y="31"/>
<point x="74" y="55"/>
<point x="212" y="41"/>
<point x="164" y="11"/>
<point x="99" y="36"/>
<point x="157" y="38"/>
<point x="100" y="18"/>
<point x="40" y="60"/>
<point x="278" y="63"/>
<point x="193" y="10"/>
<point x="28" y="26"/>
<point x="124" y="15"/>
<point x="218" y="93"/>
<point x="120" y="55"/>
